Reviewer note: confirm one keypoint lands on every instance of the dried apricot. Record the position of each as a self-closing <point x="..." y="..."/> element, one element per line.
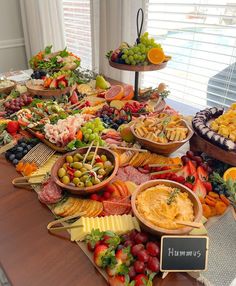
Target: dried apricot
<point x="210" y="202"/>
<point x="224" y="200"/>
<point x="213" y="195"/>
<point x="206" y="210"/>
<point x="220" y="207"/>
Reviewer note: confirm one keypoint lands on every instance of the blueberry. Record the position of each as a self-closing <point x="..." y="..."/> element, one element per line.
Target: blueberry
<point x="21" y="140"/>
<point x="12" y="157"/>
<point x="19" y="155"/>
<point x="29" y="147"/>
<point x="19" y="149"/>
<point x="43" y="73"/>
<point x="25" y="151"/>
<point x="23" y="144"/>
<point x="15" y="162"/>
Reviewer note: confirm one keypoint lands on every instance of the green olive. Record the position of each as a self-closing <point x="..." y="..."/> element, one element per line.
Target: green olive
<point x="82" y="170"/>
<point x="79" y="156"/>
<point x="76" y="158"/>
<point x="95" y="181"/>
<point x="76" y="181"/>
<point x="77" y="165"/>
<point x="61" y="172"/>
<point x="90" y="157"/>
<point x="66" y="180"/>
<point x="100" y="165"/>
<point x="101" y="172"/>
<point x="107" y="164"/>
<point x="84" y="178"/>
<point x="77" y="174"/>
<point x="88" y="166"/>
<point x="80" y="185"/>
<point x="104" y="158"/>
<point x="69" y="159"/>
<point x="88" y="184"/>
<point x="64" y="166"/>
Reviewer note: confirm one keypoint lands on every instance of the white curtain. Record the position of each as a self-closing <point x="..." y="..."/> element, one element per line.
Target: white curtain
<point x="42" y="25"/>
<point x="117" y="24"/>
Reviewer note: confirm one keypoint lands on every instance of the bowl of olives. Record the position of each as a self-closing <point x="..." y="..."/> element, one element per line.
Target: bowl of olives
<point x="83" y="173"/>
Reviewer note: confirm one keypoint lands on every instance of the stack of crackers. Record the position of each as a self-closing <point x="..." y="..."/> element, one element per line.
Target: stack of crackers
<point x="73" y="205"/>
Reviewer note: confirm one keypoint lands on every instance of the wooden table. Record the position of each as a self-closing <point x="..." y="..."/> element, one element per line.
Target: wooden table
<point x="31" y="256"/>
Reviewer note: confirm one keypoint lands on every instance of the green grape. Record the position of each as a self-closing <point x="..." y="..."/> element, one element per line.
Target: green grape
<point x="127" y="61"/>
<point x="133" y="63"/>
<point x="136" y="56"/>
<point x="124" y="56"/>
<point x="126" y="51"/>
<point x="86" y="136"/>
<point x="135" y="49"/>
<point x="97" y="120"/>
<point x="89" y="125"/>
<point x="91" y="137"/>
<point x="145" y="34"/>
<point x="96" y="130"/>
<point x="147" y="50"/>
<point x="145" y="63"/>
<point x="152" y="41"/>
<point x="143" y="58"/>
<point x="131" y="58"/>
<point x="143" y="50"/>
<point x="89" y="131"/>
<point x="131" y="52"/>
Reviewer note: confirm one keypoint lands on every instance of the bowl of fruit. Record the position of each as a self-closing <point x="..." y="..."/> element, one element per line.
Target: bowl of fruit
<point x="85" y="171"/>
<point x="165" y="207"/>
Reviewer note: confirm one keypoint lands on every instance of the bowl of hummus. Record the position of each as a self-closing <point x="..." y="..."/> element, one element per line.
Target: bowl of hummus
<point x="160" y="204"/>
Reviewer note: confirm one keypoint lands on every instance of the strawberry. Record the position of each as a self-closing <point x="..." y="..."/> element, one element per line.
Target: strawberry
<point x="111" y="239"/>
<point x="99" y="254"/>
<point x="188" y="185"/>
<point x="118" y="268"/>
<point x="192" y="169"/>
<point x="12" y="127"/>
<point x="184" y="172"/>
<point x="118" y="280"/>
<point x="74" y="98"/>
<point x="53" y="84"/>
<point x="202" y="173"/>
<point x="199" y="189"/>
<point x="93" y="239"/>
<point x="124" y="255"/>
<point x="62" y="84"/>
<point x="208" y="186"/>
<point x="141" y="280"/>
<point x="61" y="77"/>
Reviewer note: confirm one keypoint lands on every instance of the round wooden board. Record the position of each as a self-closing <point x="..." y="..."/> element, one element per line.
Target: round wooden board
<point x="8" y="89"/>
<point x="197" y="143"/>
<point x="40" y="90"/>
<point x="138" y="68"/>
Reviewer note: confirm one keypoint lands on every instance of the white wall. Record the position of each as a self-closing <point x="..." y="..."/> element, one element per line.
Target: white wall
<point x="12" y="49"/>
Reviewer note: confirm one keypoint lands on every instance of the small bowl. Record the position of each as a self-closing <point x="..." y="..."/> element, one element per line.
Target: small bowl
<point x="85" y="190"/>
<point x="149" y="227"/>
<point x="8" y="89"/>
<point x="162" y="148"/>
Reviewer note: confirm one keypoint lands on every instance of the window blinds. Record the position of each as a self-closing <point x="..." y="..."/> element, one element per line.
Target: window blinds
<point x="77" y="28"/>
<point x="200" y="35"/>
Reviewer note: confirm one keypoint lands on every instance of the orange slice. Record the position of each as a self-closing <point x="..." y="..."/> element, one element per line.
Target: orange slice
<point x="115" y="92"/>
<point x="156" y="56"/>
<point x="230" y="174"/>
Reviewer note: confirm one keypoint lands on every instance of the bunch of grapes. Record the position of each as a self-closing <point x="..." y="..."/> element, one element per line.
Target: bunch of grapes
<point x="91" y="131"/>
<point x="16" y="104"/>
<point x="137" y="54"/>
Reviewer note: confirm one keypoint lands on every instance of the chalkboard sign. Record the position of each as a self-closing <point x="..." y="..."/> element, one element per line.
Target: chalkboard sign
<point x="184" y="253"/>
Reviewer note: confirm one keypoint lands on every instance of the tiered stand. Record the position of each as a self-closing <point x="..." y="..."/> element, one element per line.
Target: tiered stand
<point x="138" y="69"/>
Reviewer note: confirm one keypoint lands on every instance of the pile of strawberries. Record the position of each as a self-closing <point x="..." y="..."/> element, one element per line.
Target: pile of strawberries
<point x="131" y="259"/>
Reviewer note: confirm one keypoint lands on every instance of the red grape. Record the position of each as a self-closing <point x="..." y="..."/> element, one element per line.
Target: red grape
<point x="107" y="195"/>
<point x="143" y="255"/>
<point x="136" y="249"/>
<point x="141" y="237"/>
<point x="132" y="272"/>
<point x="153" y="264"/>
<point x="128" y="243"/>
<point x="190" y="154"/>
<point x="152" y="248"/>
<point x="139" y="266"/>
<point x="198" y="159"/>
<point x="185" y="159"/>
<point x="132" y="234"/>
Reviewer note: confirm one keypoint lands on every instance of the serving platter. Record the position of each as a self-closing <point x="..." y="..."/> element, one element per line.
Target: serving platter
<point x="197" y="143"/>
<point x="150" y="67"/>
<point x="40" y="90"/>
<point x="8" y="89"/>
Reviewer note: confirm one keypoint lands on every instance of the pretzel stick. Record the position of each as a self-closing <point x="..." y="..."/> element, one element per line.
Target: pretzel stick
<point x="130" y="149"/>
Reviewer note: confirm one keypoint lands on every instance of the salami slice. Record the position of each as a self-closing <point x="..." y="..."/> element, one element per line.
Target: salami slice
<point x="50" y="193"/>
<point x="116" y="206"/>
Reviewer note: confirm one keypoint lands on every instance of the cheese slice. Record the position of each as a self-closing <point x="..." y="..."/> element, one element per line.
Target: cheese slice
<point x="119" y="224"/>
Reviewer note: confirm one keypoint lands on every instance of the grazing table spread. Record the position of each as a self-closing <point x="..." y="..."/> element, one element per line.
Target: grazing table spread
<point x="100" y="177"/>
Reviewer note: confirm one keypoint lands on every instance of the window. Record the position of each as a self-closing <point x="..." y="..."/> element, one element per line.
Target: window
<point x="77" y="26"/>
<point x="200" y="35"/>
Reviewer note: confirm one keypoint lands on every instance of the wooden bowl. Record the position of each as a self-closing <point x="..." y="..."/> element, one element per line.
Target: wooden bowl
<point x="40" y="90"/>
<point x="8" y="89"/>
<point x="162" y="148"/>
<point x="150" y="67"/>
<point x="162" y="231"/>
<point x="85" y="190"/>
